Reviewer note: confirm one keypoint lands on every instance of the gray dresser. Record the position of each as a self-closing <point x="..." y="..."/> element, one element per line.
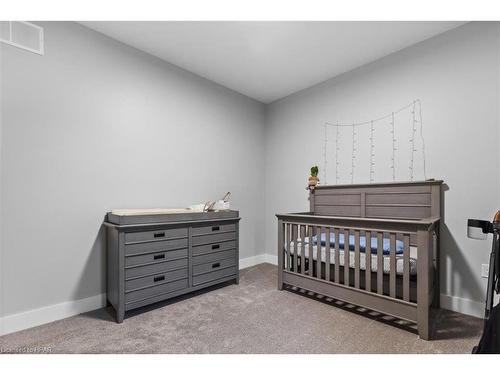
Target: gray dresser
<point x="151" y="258"/>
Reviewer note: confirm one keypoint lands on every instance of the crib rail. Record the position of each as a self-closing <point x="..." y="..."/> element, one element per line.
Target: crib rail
<point x="356" y="260"/>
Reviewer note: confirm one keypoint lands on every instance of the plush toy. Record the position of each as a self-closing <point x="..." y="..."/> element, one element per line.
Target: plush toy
<point x="313" y="178"/>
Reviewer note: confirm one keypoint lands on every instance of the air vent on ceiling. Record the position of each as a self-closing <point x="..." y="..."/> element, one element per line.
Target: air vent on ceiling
<point x="21" y="34"/>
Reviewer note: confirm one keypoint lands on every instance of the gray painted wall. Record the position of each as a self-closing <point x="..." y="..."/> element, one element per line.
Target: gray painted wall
<point x="95" y="125"/>
<point x="456" y="75"/>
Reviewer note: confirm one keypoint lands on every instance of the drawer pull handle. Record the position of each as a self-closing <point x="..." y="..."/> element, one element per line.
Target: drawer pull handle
<point x="159" y="278"/>
<point x="214" y="247"/>
<point x="215" y="228"/>
<point x="159" y="256"/>
<point x="159" y="235"/>
<point x="216" y="265"/>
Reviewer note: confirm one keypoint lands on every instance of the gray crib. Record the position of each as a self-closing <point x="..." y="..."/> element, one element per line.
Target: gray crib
<point x="371" y="245"/>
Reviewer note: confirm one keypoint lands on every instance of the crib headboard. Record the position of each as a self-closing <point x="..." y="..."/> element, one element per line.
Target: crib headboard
<point x="394" y="200"/>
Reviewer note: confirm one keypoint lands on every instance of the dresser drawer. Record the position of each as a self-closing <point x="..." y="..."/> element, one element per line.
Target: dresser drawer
<point x="207" y="258"/>
<point x="157" y="235"/>
<point x="150" y="247"/>
<point x="157" y="279"/>
<point x="214" y="266"/>
<point x="158" y="257"/>
<point x="213" y="247"/>
<point x="156" y="290"/>
<point x="214" y="275"/>
<point x="215" y="228"/>
<point x="150" y="269"/>
<point x="213" y="238"/>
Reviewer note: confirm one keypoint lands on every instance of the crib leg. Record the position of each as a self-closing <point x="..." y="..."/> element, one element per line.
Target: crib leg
<point x="281" y="254"/>
<point x="280" y="279"/>
<point x="436" y="303"/>
<point x="424" y="331"/>
<point x="424" y="274"/>
<point x="423" y="322"/>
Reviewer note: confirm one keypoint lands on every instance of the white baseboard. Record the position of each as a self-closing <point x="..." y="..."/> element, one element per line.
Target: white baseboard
<point x="258" y="259"/>
<point x="273" y="259"/>
<point x="47" y="314"/>
<point x="462" y="305"/>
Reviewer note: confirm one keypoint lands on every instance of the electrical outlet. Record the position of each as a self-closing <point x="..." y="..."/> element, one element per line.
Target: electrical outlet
<point x="485" y="270"/>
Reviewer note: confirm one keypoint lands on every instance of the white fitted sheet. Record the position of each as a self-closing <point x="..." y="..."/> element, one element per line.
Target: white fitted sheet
<point x="362" y="258"/>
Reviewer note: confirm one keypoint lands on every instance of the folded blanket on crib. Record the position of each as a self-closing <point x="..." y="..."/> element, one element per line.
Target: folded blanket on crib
<point x="362" y="243"/>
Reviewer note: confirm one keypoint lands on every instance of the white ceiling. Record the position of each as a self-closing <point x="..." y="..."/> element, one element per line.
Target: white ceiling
<point x="270" y="60"/>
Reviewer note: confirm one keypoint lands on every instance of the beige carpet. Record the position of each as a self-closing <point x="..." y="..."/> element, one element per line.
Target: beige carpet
<point x="253" y="317"/>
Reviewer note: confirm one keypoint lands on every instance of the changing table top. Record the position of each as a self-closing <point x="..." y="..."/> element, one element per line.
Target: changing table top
<point x="165" y="215"/>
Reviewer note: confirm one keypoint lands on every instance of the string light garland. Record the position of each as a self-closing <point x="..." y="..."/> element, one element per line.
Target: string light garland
<point x="412" y="142"/>
<point x="353" y="155"/>
<point x="325" y="160"/>
<point x="337" y="139"/>
<point x="372" y="153"/>
<point x="393" y="159"/>
<point x="415" y="108"/>
<point x="422" y="136"/>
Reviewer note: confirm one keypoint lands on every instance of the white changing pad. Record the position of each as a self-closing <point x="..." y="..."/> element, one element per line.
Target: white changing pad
<point x="362" y="258"/>
<point x="150" y="211"/>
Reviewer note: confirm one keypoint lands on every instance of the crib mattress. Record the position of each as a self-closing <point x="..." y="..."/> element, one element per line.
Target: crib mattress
<point x="362" y="258"/>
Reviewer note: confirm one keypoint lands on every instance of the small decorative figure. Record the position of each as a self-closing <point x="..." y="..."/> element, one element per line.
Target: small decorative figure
<point x="313" y="178"/>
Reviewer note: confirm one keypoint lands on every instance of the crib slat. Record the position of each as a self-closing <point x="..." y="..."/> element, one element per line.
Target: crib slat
<point x="406" y="267"/>
<point x="294" y="241"/>
<point x="380" y="263"/>
<point x="311" y="250"/>
<point x="392" y="274"/>
<point x="337" y="255"/>
<point x="303" y="248"/>
<point x="286" y="249"/>
<point x="327" y="254"/>
<point x="318" y="252"/>
<point x="347" y="257"/>
<point x="295" y="235"/>
<point x="288" y="242"/>
<point x="368" y="261"/>
<point x="356" y="259"/>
